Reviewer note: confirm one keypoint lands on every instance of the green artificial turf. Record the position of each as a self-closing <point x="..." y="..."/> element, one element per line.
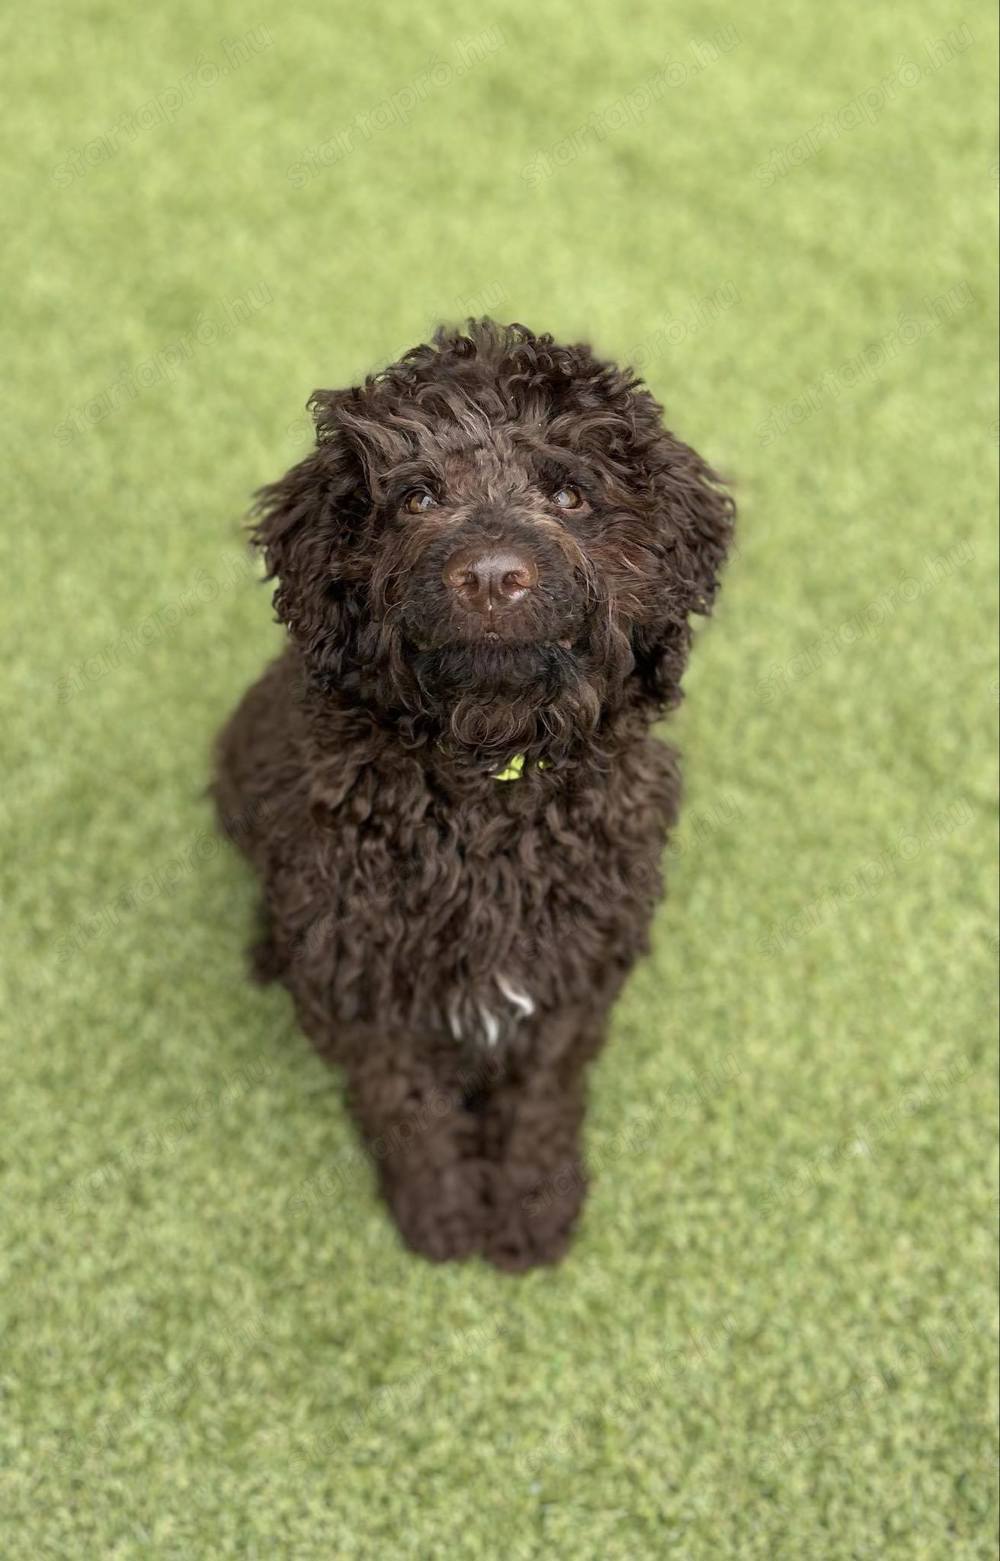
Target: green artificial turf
<point x="775" y="1334"/>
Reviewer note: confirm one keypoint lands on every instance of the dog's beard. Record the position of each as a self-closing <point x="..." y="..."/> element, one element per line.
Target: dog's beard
<point x="484" y="700"/>
<point x="498" y="699"/>
<point x="495" y="669"/>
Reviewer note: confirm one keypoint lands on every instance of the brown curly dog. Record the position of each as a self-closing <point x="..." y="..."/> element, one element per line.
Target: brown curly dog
<point x="447" y="782"/>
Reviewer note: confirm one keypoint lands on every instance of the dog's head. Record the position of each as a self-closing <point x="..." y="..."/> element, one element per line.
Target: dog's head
<point x="497" y="542"/>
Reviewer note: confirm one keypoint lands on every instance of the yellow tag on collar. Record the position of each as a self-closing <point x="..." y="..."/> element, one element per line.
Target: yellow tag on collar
<point x="512" y="771"/>
<point x="515" y="769"/>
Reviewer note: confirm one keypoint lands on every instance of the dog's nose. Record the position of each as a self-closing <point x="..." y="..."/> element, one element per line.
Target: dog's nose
<point x="489" y="579"/>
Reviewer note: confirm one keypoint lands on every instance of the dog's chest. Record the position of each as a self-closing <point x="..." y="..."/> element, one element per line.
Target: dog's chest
<point x="481" y="914"/>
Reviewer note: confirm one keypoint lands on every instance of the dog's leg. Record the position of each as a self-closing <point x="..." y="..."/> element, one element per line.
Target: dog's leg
<point x="532" y="1135"/>
<point x="409" y="1101"/>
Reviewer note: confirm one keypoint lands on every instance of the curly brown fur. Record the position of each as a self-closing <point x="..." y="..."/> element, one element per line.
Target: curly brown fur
<point x="455" y="941"/>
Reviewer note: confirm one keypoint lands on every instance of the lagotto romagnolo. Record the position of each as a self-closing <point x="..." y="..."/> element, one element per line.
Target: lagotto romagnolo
<point x="447" y="783"/>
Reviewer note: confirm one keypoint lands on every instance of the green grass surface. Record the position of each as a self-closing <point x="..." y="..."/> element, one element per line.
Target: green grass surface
<point x="775" y="1335"/>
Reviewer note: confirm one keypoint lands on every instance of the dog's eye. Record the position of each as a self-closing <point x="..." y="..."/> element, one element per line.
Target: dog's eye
<point x="568" y="497"/>
<point x="420" y="500"/>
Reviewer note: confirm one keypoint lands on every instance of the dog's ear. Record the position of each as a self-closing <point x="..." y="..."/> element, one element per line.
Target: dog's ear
<point x="310" y="528"/>
<point x="693" y="519"/>
<point x="323" y="492"/>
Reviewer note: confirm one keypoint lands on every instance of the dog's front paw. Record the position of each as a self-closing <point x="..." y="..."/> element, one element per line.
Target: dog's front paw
<point x="534" y="1215"/>
<point x="443" y="1213"/>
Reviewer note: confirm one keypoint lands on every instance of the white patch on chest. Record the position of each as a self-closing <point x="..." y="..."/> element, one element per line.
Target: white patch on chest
<point x="520" y="1000"/>
<point x="468" y="1019"/>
